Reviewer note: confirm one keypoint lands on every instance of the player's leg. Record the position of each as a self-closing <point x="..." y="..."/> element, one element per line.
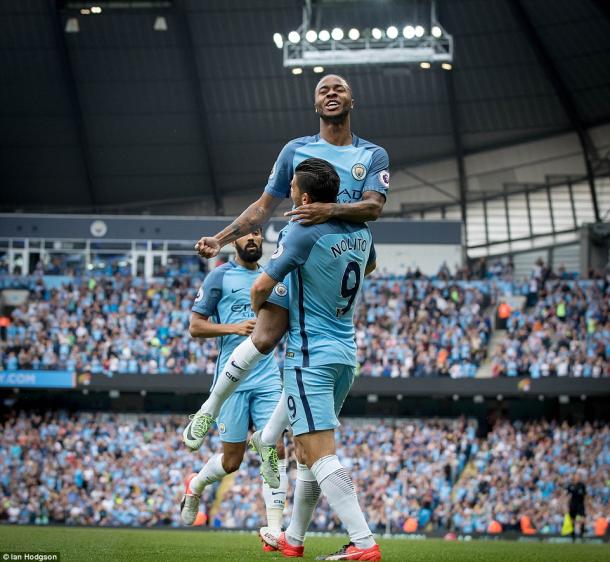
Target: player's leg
<point x="262" y="404"/>
<point x="271" y="324"/>
<point x="233" y="425"/>
<point x="317" y="451"/>
<point x="306" y="491"/>
<point x="306" y="495"/>
<point x="215" y="469"/>
<point x="302" y="393"/>
<point x="277" y="424"/>
<point x="264" y="442"/>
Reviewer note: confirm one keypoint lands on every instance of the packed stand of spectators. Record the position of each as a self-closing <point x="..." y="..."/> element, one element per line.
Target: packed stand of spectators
<point x="406" y="326"/>
<point x="119" y="324"/>
<point x="94" y="469"/>
<point x="107" y="325"/>
<point x="417" y="327"/>
<point x="525" y="470"/>
<point x="564" y="330"/>
<point x="109" y="470"/>
<point x="401" y="469"/>
<point x="128" y="470"/>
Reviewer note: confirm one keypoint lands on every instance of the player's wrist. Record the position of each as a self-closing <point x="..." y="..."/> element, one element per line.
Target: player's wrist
<point x="222" y="240"/>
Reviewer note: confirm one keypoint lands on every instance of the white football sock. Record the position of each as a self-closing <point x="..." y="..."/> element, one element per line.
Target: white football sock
<point x="306" y="495"/>
<point x="336" y="484"/>
<point x="277" y="423"/>
<point x="275" y="500"/>
<point x="243" y="359"/>
<point x="211" y="472"/>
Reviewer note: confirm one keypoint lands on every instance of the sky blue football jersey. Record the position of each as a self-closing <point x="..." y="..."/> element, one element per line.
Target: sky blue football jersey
<point x="224" y="297"/>
<point x="325" y="264"/>
<point x="362" y="166"/>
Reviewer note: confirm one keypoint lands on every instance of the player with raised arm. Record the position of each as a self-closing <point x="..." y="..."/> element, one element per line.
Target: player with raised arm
<point x="325" y="265"/>
<point x="225" y="297"/>
<point x="363" y="170"/>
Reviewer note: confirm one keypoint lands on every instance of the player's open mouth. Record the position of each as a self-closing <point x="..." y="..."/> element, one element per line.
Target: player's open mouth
<point x="332" y="105"/>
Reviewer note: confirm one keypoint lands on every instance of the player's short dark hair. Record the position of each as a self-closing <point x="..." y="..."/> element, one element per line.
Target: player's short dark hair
<point x="319" y="179"/>
<point x="340" y="78"/>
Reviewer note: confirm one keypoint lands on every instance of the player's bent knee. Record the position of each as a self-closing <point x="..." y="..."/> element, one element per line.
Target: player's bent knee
<point x="300" y="453"/>
<point x="233" y="455"/>
<point x="231" y="464"/>
<point x="264" y="343"/>
<point x="271" y="325"/>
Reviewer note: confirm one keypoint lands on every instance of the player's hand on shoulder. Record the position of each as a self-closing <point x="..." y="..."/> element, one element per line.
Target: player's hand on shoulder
<point x="245" y="328"/>
<point x="207" y="247"/>
<point x="314" y="213"/>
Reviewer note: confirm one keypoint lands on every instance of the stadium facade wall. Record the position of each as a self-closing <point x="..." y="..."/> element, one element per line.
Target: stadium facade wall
<point x="138" y="227"/>
<point x="400" y="243"/>
<point x="489" y="171"/>
<point x="365" y="386"/>
<point x="484" y="409"/>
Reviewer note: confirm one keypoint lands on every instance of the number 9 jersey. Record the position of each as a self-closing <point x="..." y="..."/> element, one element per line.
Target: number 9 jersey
<point x="325" y="264"/>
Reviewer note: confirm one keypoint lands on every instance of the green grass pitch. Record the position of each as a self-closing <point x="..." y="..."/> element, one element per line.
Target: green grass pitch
<point x="115" y="545"/>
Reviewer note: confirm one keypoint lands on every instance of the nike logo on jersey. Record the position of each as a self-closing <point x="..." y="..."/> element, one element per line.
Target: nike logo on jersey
<point x="276" y="493"/>
<point x="235" y="290"/>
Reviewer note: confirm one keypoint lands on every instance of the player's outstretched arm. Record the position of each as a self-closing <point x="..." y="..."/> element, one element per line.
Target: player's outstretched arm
<point x="255" y="216"/>
<point x="260" y="291"/>
<point x="201" y="327"/>
<point x="368" y="209"/>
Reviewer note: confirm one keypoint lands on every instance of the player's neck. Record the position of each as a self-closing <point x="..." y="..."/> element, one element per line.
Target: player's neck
<point x="247" y="264"/>
<point x="339" y="134"/>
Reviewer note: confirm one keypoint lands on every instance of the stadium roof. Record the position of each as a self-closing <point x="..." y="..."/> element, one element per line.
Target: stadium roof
<point x="120" y="113"/>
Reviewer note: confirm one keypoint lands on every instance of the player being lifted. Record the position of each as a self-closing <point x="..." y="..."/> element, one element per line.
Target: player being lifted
<point x="363" y="171"/>
<point x="325" y="265"/>
<point x="225" y="297"/>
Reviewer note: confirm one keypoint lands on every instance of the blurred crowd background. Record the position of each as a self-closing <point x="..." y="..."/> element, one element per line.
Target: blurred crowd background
<point x="442" y="475"/>
<point x="406" y="326"/>
<point x="411" y="474"/>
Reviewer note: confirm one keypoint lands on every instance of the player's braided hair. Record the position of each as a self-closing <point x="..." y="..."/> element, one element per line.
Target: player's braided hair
<point x="319" y="179"/>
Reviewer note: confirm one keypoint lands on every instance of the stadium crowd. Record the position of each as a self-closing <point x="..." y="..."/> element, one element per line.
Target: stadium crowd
<point x="565" y="333"/>
<point x="523" y="470"/>
<point x="93" y="469"/>
<point x="418" y="328"/>
<point x="108" y="325"/>
<point x="406" y="326"/>
<point x="114" y="470"/>
<point x="119" y="324"/>
<point x="401" y="469"/>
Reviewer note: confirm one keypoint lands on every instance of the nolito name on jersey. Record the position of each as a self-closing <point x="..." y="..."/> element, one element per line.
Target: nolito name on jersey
<point x="345" y="245"/>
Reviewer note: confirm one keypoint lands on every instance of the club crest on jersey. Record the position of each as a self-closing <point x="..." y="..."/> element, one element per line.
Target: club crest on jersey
<point x="359" y="171"/>
<point x="199" y="294"/>
<point x="221" y="428"/>
<point x="281" y="290"/>
<point x="278" y="252"/>
<point x="384" y="178"/>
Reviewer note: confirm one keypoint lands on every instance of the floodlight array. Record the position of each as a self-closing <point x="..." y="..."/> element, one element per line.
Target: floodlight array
<point x="306" y="47"/>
